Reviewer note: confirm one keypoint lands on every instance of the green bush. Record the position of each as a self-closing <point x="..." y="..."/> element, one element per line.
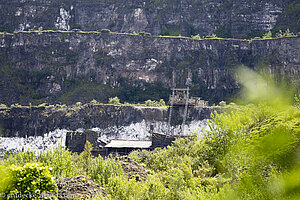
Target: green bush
<point x="3" y="106"/>
<point x="5" y="180"/>
<point x="139" y="156"/>
<point x="267" y="35"/>
<point x="121" y="188"/>
<point x="153" y="103"/>
<point x="85" y="158"/>
<point x="94" y="102"/>
<point x="114" y="101"/>
<point x="222" y="103"/>
<point x="196" y="37"/>
<point x="31" y="181"/>
<point x="162" y="103"/>
<point x="101" y="170"/>
<point x="60" y="159"/>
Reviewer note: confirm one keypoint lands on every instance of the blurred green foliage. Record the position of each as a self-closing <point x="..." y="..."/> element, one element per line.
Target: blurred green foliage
<point x="5" y="180"/>
<point x="30" y="181"/>
<point x="297" y="101"/>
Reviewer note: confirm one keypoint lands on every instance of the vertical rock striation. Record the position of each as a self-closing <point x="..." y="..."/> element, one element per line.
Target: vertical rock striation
<point x="71" y="67"/>
<point x="227" y="18"/>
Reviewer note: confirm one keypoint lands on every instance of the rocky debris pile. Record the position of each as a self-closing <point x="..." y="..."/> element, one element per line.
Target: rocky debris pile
<point x="132" y="169"/>
<point x="77" y="187"/>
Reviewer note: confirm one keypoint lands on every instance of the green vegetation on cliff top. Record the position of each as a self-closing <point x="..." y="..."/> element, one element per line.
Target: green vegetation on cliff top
<point x="268" y="35"/>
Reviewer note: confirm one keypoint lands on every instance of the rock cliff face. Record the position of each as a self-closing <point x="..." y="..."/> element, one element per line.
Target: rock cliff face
<point x="71" y="67"/>
<point x="43" y="127"/>
<point x="124" y="122"/>
<point x="227" y="18"/>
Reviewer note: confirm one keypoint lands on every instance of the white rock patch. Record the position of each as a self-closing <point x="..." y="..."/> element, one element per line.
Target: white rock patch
<point x="134" y="131"/>
<point x="37" y="143"/>
<point x="62" y="22"/>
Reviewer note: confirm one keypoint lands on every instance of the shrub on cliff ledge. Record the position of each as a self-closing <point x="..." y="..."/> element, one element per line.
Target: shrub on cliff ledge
<point x="150" y="103"/>
<point x="114" y="101"/>
<point x="222" y="103"/>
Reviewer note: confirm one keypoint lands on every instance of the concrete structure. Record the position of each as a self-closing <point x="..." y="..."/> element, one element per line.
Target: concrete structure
<point x="123" y="147"/>
<point x="75" y="142"/>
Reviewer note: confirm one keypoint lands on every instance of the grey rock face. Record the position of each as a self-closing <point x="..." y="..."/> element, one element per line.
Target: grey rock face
<point x="229" y="18"/>
<point x="47" y="64"/>
<point x="41" y="128"/>
<point x="109" y="121"/>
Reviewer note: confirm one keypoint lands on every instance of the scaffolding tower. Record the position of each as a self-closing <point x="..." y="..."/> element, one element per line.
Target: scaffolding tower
<point x="186" y="92"/>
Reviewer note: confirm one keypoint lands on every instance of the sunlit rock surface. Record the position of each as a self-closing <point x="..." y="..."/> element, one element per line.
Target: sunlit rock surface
<point x="40" y="128"/>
